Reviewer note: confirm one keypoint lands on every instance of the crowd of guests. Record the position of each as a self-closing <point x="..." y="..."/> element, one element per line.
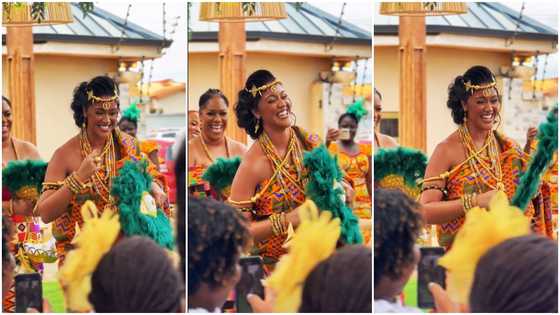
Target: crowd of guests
<point x="519" y="275"/>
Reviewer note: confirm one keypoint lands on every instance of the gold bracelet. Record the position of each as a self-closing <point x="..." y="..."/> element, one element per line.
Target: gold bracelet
<point x="240" y="203"/>
<point x="73" y="184"/>
<point x="274" y="222"/>
<point x="465" y="201"/>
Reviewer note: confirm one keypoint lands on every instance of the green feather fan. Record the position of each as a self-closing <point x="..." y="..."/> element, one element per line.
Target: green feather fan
<point x="548" y="144"/>
<point x="132" y="113"/>
<point x="128" y="188"/>
<point x="323" y="172"/>
<point x="357" y="109"/>
<point x="221" y="173"/>
<point x="408" y="163"/>
<point x="24" y="173"/>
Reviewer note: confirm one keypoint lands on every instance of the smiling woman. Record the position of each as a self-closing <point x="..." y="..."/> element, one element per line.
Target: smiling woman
<point x="476" y="161"/>
<point x="84" y="167"/>
<point x="212" y="143"/>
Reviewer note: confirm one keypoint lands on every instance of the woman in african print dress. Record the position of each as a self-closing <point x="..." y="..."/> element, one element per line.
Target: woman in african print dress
<point x="474" y="162"/>
<point x="270" y="182"/>
<point x="83" y="168"/>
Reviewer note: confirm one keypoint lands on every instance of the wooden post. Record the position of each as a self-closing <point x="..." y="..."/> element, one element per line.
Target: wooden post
<point x="412" y="50"/>
<point x="232" y="71"/>
<point x="21" y="81"/>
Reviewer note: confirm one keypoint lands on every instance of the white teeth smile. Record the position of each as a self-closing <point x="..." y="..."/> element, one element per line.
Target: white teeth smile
<point x="488" y="117"/>
<point x="216" y="128"/>
<point x="283" y="114"/>
<point x="104" y="128"/>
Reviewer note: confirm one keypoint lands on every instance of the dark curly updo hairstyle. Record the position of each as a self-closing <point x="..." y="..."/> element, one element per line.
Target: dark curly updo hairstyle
<point x="247" y="103"/>
<point x="102" y="86"/>
<point x="457" y="93"/>
<point x="208" y="95"/>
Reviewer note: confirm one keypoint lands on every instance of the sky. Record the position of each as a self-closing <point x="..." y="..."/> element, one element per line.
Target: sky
<point x="173" y="64"/>
<point x="149" y="15"/>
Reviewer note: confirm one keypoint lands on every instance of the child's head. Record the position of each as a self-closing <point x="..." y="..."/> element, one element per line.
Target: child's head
<point x="397" y="225"/>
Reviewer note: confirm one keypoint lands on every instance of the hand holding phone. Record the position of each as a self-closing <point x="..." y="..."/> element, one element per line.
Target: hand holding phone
<point x="429" y="271"/>
<point x="29" y="292"/>
<point x="252" y="273"/>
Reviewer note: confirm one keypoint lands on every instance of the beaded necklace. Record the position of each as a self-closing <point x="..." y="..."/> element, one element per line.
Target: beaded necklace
<point x="494" y="169"/>
<point x="281" y="166"/>
<point x="207" y="152"/>
<point x="102" y="177"/>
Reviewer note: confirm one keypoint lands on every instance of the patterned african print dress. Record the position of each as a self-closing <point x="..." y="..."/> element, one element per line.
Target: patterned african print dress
<point x="277" y="196"/>
<point x="356" y="167"/>
<point x="513" y="161"/>
<point x="64" y="227"/>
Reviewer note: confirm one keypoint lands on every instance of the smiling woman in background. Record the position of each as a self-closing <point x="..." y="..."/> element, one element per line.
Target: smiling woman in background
<point x="212" y="143"/>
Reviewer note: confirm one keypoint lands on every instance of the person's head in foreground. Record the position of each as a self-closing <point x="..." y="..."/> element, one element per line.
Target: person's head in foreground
<point x="181" y="204"/>
<point x="217" y="236"/>
<point x="397" y="225"/>
<point x="340" y="284"/>
<point x="519" y="275"/>
<point x="474" y="99"/>
<point x="8" y="262"/>
<point x="136" y="276"/>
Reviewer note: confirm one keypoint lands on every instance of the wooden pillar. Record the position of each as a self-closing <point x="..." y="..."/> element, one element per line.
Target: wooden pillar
<point x="21" y="81"/>
<point x="232" y="71"/>
<point x="412" y="51"/>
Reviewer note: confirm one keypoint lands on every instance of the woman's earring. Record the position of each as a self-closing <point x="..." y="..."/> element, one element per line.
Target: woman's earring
<point x="258" y="126"/>
<point x="465" y="117"/>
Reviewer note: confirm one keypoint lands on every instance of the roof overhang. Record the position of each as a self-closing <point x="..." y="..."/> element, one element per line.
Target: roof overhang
<point x="291" y="47"/>
<point x="258" y="35"/>
<point x="91" y="46"/>
<point x="521" y="46"/>
<point x="467" y="31"/>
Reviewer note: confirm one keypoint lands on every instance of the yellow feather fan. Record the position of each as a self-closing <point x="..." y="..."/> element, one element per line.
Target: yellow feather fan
<point x="482" y="231"/>
<point x="95" y="239"/>
<point x="314" y="241"/>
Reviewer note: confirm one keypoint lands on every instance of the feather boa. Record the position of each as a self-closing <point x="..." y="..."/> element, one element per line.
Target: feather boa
<point x="548" y="144"/>
<point x="323" y="172"/>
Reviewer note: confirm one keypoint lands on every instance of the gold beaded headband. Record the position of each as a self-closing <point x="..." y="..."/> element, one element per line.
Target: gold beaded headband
<point x="258" y="90"/>
<point x="106" y="102"/>
<point x="486" y="88"/>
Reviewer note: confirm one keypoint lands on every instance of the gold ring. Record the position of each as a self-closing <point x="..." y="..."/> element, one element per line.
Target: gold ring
<point x="97" y="159"/>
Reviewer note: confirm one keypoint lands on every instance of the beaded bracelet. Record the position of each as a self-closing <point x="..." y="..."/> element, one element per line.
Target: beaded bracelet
<point x="73" y="184"/>
<point x="278" y="221"/>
